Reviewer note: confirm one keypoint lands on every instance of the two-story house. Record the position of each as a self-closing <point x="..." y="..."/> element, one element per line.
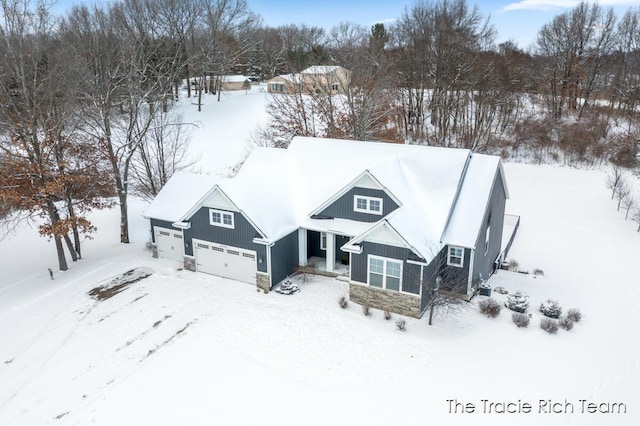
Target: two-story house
<point x="392" y="219"/>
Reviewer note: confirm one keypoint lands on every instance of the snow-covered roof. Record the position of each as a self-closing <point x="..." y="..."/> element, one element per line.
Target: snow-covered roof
<point x="234" y="78"/>
<point x="442" y="192"/>
<point x="320" y="69"/>
<point x="293" y="78"/>
<point x="179" y="195"/>
<point x="466" y="219"/>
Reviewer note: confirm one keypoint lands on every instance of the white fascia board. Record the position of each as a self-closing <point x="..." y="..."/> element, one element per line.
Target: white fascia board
<point x="182" y="225"/>
<point x="352" y="248"/>
<point x="378" y="225"/>
<point x="504" y="180"/>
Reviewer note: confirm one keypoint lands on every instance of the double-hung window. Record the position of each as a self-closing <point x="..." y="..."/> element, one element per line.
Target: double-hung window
<point x="455" y="256"/>
<point x="370" y="205"/>
<point x="385" y="273"/>
<point x="221" y="218"/>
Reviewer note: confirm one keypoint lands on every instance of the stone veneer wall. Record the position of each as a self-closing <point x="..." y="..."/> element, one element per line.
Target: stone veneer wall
<point x="190" y="263"/>
<point x="262" y="281"/>
<point x="385" y="300"/>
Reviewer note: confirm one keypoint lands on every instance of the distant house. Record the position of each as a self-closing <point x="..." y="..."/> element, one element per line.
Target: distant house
<point x="317" y="79"/>
<point x="390" y="219"/>
<point x="286" y="83"/>
<point x="233" y="82"/>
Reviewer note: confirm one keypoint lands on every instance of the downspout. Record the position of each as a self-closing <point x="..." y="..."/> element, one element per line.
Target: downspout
<point x="470" y="281"/>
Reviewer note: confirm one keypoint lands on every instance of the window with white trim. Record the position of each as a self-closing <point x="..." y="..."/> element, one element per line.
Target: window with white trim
<point x="455" y="256"/>
<point x="323" y="241"/>
<point x="364" y="204"/>
<point x="486" y="239"/>
<point x="385" y="273"/>
<point x="221" y="218"/>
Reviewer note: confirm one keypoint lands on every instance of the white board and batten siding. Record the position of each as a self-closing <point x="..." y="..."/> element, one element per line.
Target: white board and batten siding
<point x="169" y="243"/>
<point x="225" y="261"/>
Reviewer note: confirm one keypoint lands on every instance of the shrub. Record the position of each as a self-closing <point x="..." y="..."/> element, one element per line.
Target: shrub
<point x="521" y="320"/>
<point x="513" y="265"/>
<point x="566" y="323"/>
<point x="551" y="308"/>
<point x="366" y="310"/>
<point x="343" y="302"/>
<point x="387" y="315"/>
<point x="574" y="314"/>
<point x="549" y="325"/>
<point x="489" y="307"/>
<point x="518" y="302"/>
<point x="401" y="325"/>
<point x="501" y="290"/>
<point x="537" y="271"/>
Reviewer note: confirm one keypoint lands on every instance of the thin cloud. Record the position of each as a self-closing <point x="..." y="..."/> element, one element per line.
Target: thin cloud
<point x="558" y="4"/>
<point x="384" y="21"/>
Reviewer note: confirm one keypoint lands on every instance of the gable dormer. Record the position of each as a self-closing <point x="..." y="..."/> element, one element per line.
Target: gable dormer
<point x="365" y="199"/>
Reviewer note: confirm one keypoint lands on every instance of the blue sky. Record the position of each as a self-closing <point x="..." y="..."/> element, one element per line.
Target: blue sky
<point x="517" y="20"/>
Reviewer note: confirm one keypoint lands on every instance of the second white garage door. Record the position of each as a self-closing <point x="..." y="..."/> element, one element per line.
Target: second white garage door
<point x="225" y="261"/>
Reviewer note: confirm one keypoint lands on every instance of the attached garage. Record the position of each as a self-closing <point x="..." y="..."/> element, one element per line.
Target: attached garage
<point x="225" y="261"/>
<point x="169" y="243"/>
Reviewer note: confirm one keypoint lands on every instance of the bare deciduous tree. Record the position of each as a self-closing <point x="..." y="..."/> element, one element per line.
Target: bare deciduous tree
<point x="615" y="180"/>
<point x="622" y="193"/>
<point x="628" y="203"/>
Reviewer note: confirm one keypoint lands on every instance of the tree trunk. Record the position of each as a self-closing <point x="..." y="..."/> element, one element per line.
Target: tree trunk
<point x="431" y="308"/>
<point x="72" y="250"/>
<point x="124" y="220"/>
<point x="62" y="261"/>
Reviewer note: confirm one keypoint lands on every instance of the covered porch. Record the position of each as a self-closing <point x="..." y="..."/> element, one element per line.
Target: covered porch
<point x="319" y="252"/>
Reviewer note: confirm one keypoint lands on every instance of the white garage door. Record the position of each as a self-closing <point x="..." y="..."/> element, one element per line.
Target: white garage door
<point x="169" y="243"/>
<point x="225" y="261"/>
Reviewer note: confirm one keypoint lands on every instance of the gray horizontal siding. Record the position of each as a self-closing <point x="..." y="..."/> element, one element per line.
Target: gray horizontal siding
<point x="483" y="264"/>
<point x="343" y="206"/>
<point x="241" y="235"/>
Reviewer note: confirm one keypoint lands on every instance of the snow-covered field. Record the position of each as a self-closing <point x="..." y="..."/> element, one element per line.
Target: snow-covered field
<point x="181" y="348"/>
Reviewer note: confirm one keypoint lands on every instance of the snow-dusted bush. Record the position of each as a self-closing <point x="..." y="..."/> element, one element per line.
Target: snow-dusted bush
<point x="343" y="302"/>
<point x="537" y="272"/>
<point x="489" y="307"/>
<point x="574" y="314"/>
<point x="513" y="265"/>
<point x="387" y="315"/>
<point x="521" y="320"/>
<point x="518" y="302"/>
<point x="401" y="325"/>
<point x="549" y="325"/>
<point x="566" y="323"/>
<point x="366" y="310"/>
<point x="500" y="290"/>
<point x="551" y="308"/>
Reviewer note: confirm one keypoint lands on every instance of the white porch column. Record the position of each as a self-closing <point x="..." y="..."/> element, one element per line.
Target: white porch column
<point x="331" y="252"/>
<point x="302" y="247"/>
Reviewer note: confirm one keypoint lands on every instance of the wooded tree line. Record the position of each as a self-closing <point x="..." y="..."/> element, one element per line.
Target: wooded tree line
<point x="86" y="96"/>
<point x="436" y="76"/>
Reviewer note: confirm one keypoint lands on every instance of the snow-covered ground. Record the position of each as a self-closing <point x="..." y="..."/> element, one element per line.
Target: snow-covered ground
<point x="189" y="349"/>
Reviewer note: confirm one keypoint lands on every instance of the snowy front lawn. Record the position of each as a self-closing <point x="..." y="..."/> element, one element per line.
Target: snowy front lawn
<point x="187" y="348"/>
